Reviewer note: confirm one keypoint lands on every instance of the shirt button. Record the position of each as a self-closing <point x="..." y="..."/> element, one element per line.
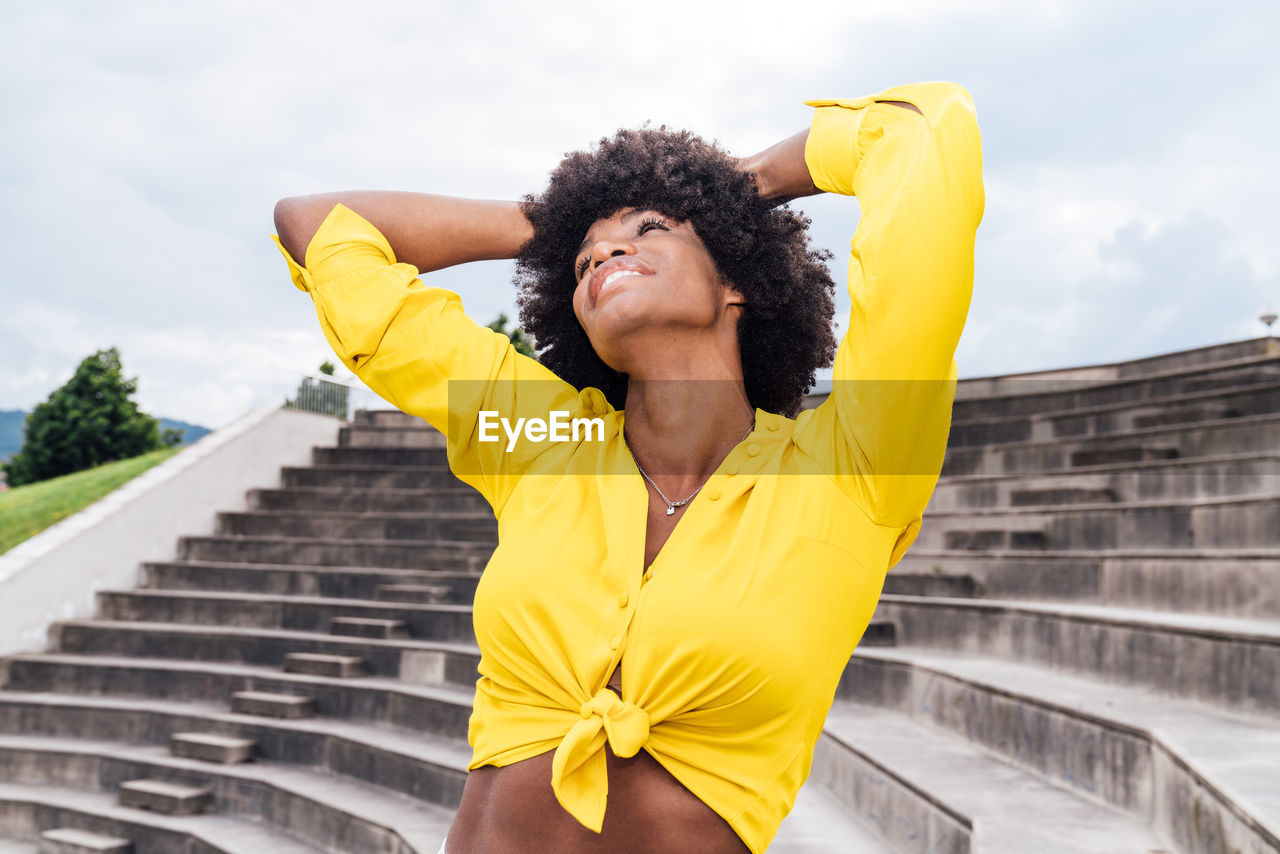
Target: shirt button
<point x="615" y="642"/>
<point x="753" y="450"/>
<point x="731" y="469"/>
<point x="773" y="425"/>
<point x="713" y="494"/>
<point x="623" y="599"/>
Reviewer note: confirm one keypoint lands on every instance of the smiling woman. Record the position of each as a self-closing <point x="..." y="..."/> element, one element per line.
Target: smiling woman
<point x="651" y="683"/>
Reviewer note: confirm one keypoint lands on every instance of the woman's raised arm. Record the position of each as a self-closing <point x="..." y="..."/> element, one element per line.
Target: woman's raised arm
<point x="430" y="232"/>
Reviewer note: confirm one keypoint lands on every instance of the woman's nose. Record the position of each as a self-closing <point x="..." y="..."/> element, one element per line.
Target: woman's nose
<point x="603" y="250"/>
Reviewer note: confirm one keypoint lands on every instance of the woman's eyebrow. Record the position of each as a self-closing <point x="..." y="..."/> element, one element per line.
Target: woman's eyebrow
<point x="631" y="214"/>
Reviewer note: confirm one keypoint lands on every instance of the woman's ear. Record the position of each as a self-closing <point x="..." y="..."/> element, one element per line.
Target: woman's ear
<point x="732" y="296"/>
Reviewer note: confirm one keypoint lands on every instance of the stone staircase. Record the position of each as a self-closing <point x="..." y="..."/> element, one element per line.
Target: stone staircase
<point x="1088" y="626"/>
<point x="1081" y="652"/>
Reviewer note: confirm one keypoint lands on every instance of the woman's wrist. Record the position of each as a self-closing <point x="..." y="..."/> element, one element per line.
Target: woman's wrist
<point x="780" y="170"/>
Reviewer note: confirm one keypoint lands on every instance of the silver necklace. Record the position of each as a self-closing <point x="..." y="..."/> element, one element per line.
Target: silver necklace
<point x="672" y="505"/>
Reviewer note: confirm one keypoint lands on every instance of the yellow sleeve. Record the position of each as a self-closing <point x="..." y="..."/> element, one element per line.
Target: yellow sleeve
<point x="918" y="180"/>
<point x="414" y="346"/>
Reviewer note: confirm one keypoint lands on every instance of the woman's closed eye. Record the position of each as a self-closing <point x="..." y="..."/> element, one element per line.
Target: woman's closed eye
<point x="643" y="226"/>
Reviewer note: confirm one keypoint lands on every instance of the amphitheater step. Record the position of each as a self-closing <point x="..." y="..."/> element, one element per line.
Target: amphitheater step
<point x="392" y="418"/>
<point x="1228" y="662"/>
<point x="296" y="613"/>
<point x="211" y="747"/>
<point x="819" y="824"/>
<point x="348" y="582"/>
<point x="919" y="790"/>
<point x="69" y="689"/>
<point x="993" y="539"/>
<point x="879" y="633"/>
<point x="930" y="584"/>
<point x="1185" y="763"/>
<point x="1252" y="520"/>
<point x="424" y="594"/>
<point x="348" y="500"/>
<point x="262" y="808"/>
<point x="1022" y="498"/>
<point x="1156" y="445"/>
<point x="1227" y="582"/>
<point x="13" y="846"/>
<point x="370" y="477"/>
<point x="382" y="554"/>
<point x="166" y="798"/>
<point x="460" y="527"/>
<point x="1192" y="479"/>
<point x="69" y="840"/>
<point x="363" y="627"/>
<point x="257" y="646"/>
<point x="272" y="705"/>
<point x="1103" y="456"/>
<point x="379" y="456"/>
<point x="320" y="664"/>
<point x="364" y="436"/>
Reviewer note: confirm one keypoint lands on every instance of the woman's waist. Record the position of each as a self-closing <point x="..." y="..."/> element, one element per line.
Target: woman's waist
<point x="648" y="811"/>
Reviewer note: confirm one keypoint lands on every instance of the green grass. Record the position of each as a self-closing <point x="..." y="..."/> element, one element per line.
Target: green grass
<point x="28" y="510"/>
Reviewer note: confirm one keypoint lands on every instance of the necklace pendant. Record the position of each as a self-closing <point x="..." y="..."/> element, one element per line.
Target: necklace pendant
<point x="671" y="510"/>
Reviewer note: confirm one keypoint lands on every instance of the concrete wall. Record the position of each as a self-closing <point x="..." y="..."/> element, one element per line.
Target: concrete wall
<point x="54" y="575"/>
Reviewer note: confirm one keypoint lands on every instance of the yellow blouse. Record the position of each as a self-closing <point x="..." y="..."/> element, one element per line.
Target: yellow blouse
<point x="733" y="641"/>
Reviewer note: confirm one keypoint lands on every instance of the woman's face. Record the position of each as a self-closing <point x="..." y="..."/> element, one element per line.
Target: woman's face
<point x="639" y="271"/>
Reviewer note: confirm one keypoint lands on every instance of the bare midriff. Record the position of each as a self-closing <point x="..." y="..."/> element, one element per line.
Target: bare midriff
<point x="513" y="810"/>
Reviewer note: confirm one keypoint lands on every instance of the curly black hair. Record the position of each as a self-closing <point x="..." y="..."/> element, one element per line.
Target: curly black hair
<point x="784" y="333"/>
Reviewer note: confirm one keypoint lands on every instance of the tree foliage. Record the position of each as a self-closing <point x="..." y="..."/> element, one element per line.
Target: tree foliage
<point x="89" y="421"/>
<point x="521" y="340"/>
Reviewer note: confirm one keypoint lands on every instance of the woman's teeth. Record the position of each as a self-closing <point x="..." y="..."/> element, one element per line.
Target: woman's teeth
<point x="613" y="277"/>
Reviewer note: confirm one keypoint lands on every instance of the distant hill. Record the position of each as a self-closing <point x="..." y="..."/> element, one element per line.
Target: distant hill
<point x="11" y="431"/>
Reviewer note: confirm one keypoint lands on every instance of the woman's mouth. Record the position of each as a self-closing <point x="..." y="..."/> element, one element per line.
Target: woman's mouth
<point x="612" y="272"/>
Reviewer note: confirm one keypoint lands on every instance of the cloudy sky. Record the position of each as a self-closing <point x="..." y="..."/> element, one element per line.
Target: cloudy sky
<point x="1129" y="159"/>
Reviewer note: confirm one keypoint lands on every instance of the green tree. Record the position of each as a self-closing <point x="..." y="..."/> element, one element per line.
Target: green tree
<point x="89" y="421"/>
<point x="521" y="340"/>
<point x="323" y="396"/>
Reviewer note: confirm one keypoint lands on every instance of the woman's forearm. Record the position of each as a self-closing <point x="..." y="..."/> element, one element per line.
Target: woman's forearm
<point x="780" y="170"/>
<point x="428" y="231"/>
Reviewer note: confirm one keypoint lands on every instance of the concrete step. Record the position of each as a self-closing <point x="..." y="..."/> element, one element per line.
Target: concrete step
<point x="364" y="436"/>
<point x="423" y="594"/>
<point x="101" y="742"/>
<point x="261" y="807"/>
<point x="383" y="554"/>
<point x="440" y="709"/>
<point x="819" y="824"/>
<point x="1231" y="663"/>
<point x="1251" y="434"/>
<point x="167" y="798"/>
<point x="1206" y="581"/>
<point x="1181" y="408"/>
<point x="320" y="664"/>
<point x="923" y="790"/>
<point x="286" y="706"/>
<point x="1099" y="385"/>
<point x="211" y="747"/>
<point x="1251" y="521"/>
<point x="69" y="840"/>
<point x="464" y="527"/>
<point x="13" y="846"/>
<point x="462" y="499"/>
<point x="443" y="622"/>
<point x="363" y="627"/>
<point x="379" y="456"/>
<point x="404" y="659"/>
<point x="1207" y="477"/>
<point x="391" y="418"/>
<point x="1197" y="770"/>
<point x="370" y="477"/>
<point x="344" y="582"/>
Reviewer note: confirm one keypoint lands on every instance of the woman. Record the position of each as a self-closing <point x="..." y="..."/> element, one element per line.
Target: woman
<point x="677" y="671"/>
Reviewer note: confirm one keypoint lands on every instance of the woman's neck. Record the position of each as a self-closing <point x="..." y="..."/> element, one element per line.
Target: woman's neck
<point x="679" y="431"/>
